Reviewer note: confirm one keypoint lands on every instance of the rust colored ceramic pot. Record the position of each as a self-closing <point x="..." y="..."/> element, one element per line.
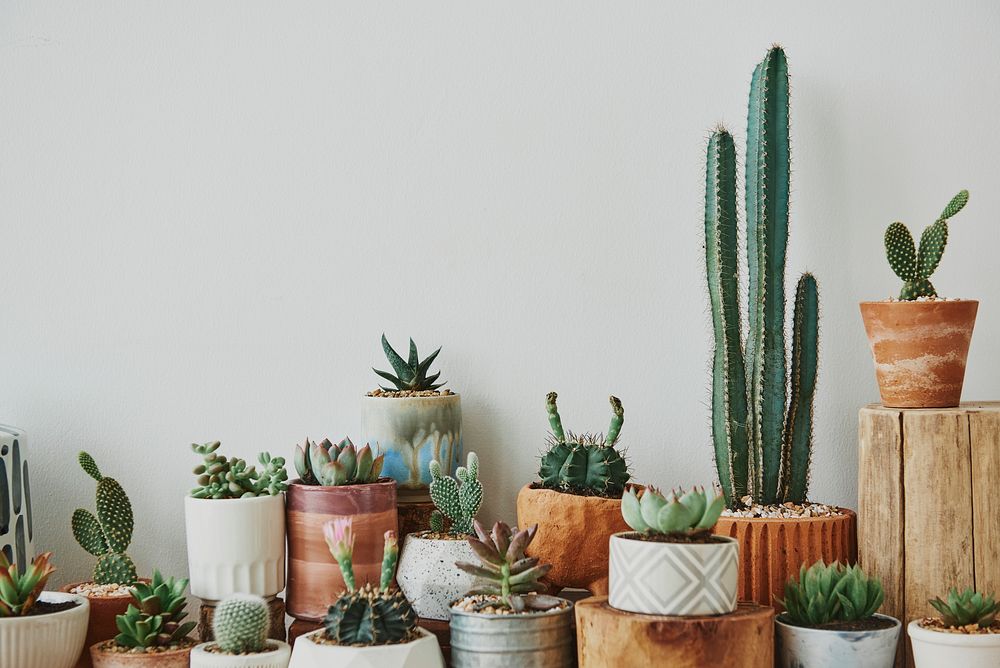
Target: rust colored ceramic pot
<point x="772" y="549"/>
<point x="573" y="535"/>
<point x="313" y="576"/>
<point x="920" y="350"/>
<point x="103" y="610"/>
<point x="175" y="658"/>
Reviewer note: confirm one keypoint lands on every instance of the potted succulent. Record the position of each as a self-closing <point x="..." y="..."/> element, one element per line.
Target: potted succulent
<point x="152" y="632"/>
<point x="369" y="625"/>
<point x="920" y="341"/>
<point x="831" y="620"/>
<point x="38" y="629"/>
<point x="235" y="522"/>
<point x="413" y="422"/>
<point x="671" y="563"/>
<point x="335" y="481"/>
<point x="504" y="621"/>
<point x="576" y="502"/>
<point x="16" y="527"/>
<point x="240" y="626"/>
<point x="761" y="420"/>
<point x="427" y="573"/>
<point x="965" y="634"/>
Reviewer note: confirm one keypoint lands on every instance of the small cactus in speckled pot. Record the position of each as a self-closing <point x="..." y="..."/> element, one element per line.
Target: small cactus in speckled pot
<point x="457" y="498"/>
<point x="107" y="535"/>
<point x="241" y="623"/>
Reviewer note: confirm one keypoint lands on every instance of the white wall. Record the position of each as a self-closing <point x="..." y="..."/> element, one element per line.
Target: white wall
<point x="211" y="210"/>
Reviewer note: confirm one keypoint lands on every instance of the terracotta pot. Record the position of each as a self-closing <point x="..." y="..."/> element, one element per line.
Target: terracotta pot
<point x="920" y="350"/>
<point x="314" y="578"/>
<point x="174" y="658"/>
<point x="103" y="610"/>
<point x="772" y="550"/>
<point x="573" y="535"/>
<point x="45" y="641"/>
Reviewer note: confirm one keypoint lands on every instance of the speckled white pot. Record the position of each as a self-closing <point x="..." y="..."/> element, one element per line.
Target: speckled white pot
<point x="421" y="653"/>
<point x="278" y="657"/>
<point x="801" y="647"/>
<point x="45" y="641"/>
<point x="935" y="649"/>
<point x="428" y="576"/>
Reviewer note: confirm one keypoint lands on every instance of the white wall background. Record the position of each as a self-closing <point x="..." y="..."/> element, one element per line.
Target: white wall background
<point x="211" y="211"/>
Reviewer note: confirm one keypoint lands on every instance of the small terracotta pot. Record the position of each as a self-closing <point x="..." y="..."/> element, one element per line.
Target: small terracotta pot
<point x="773" y="549"/>
<point x="920" y="349"/>
<point x="175" y="658"/>
<point x="573" y="535"/>
<point x="103" y="610"/>
<point x="314" y="578"/>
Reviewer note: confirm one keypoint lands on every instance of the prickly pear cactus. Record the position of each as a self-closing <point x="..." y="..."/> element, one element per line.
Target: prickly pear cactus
<point x="107" y="535"/>
<point x="241" y="623"/>
<point x="457" y="498"/>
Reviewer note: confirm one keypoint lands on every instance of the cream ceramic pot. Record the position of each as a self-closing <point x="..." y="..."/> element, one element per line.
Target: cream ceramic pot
<point x="799" y="646"/>
<point x="935" y="649"/>
<point x="277" y="657"/>
<point x="423" y="652"/>
<point x="428" y="576"/>
<point x="45" y="641"/>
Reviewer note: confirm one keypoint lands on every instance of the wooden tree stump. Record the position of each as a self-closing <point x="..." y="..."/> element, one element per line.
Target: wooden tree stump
<point x="928" y="503"/>
<point x="276" y="632"/>
<point x="299" y="628"/>
<point x="414" y="517"/>
<point x="610" y="637"/>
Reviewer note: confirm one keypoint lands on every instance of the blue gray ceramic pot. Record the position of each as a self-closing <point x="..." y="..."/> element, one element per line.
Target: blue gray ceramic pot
<point x="803" y="647"/>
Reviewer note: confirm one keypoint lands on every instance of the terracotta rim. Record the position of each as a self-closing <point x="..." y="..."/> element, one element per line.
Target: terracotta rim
<point x="583" y="498"/>
<point x="66" y="590"/>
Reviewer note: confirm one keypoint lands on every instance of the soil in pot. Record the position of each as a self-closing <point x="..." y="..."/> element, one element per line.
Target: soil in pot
<point x="107" y="654"/>
<point x="935" y="624"/>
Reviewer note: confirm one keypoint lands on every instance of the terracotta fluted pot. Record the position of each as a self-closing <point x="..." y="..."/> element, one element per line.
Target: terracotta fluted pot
<point x="103" y="610"/>
<point x="773" y="549"/>
<point x="173" y="658"/>
<point x="573" y="535"/>
<point x="314" y="578"/>
<point x="920" y="349"/>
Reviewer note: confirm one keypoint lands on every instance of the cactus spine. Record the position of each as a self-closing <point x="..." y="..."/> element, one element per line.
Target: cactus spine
<point x="240" y="624"/>
<point x="108" y="535"/>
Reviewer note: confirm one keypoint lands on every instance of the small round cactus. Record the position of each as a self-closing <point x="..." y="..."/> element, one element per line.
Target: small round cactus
<point x="240" y="624"/>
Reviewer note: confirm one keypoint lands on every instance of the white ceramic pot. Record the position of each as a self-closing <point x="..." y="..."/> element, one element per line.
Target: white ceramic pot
<point x="235" y="546"/>
<point x="17" y="533"/>
<point x="683" y="579"/>
<point x="45" y="641"/>
<point x="798" y="646"/>
<point x="278" y="657"/>
<point x="421" y="653"/>
<point x="935" y="649"/>
<point x="428" y="576"/>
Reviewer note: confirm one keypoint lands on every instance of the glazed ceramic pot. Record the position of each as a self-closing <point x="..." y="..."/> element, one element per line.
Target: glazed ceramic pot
<point x="411" y="431"/>
<point x="772" y="549"/>
<point x="172" y="658"/>
<point x="314" y="578"/>
<point x="799" y="646"/>
<point x="920" y="349"/>
<point x="420" y="653"/>
<point x="681" y="579"/>
<point x="538" y="640"/>
<point x="573" y="535"/>
<point x="428" y="577"/>
<point x="103" y="610"/>
<point x="45" y="641"/>
<point x="235" y="546"/>
<point x="936" y="649"/>
<point x="16" y="527"/>
<point x="277" y="656"/>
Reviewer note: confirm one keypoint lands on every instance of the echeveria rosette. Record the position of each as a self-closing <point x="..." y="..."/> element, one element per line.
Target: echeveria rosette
<point x="966" y="608"/>
<point x="831" y="593"/>
<point x="690" y="514"/>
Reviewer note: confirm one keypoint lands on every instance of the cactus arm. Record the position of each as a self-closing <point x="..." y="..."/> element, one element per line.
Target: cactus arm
<point x="932" y="244"/>
<point x="88" y="464"/>
<point x="956" y="204"/>
<point x="617" y="419"/>
<point x="900" y="251"/>
<point x="555" y="422"/>
<point x="805" y="356"/>
<point x="87" y="531"/>
<point x="115" y="514"/>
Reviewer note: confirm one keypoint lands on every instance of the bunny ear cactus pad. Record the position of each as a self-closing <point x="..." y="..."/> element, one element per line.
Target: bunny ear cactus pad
<point x="457" y="498"/>
<point x="109" y="534"/>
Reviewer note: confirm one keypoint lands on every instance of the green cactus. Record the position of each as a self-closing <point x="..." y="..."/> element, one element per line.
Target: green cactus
<point x="108" y="535"/>
<point x="155" y="616"/>
<point x="584" y="463"/>
<point x="411" y="374"/>
<point x="327" y="464"/>
<point x="240" y="624"/>
<point x="692" y="514"/>
<point x="458" y="500"/>
<point x="834" y="593"/>
<point x="220" y="477"/>
<point x="762" y="438"/>
<point x="915" y="266"/>
<point x="968" y="607"/>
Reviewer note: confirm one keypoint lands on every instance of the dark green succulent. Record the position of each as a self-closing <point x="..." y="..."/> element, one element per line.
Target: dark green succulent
<point x="969" y="607"/>
<point x="834" y="593"/>
<point x="411" y="374"/>
<point x="154" y="618"/>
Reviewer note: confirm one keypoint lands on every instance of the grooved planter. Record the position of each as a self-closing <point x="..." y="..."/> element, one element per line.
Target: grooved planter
<point x="54" y="640"/>
<point x="277" y="656"/>
<point x="103" y="610"/>
<point x="428" y="577"/>
<point x="534" y="640"/>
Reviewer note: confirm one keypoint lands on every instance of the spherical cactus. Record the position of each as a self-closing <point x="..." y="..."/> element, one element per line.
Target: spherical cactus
<point x="370" y="617"/>
<point x="240" y="624"/>
<point x="579" y="465"/>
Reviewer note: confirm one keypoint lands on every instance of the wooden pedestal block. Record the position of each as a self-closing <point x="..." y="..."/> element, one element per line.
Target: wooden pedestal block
<point x="610" y="637"/>
<point x="300" y="628"/>
<point x="276" y="632"/>
<point x="414" y="517"/>
<point x="928" y="504"/>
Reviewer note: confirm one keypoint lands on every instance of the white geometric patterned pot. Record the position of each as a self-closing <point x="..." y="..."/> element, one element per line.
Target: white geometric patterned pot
<point x="682" y="579"/>
<point x="424" y="652"/>
<point x="17" y="539"/>
<point x="428" y="576"/>
<point x="937" y="649"/>
<point x="799" y="646"/>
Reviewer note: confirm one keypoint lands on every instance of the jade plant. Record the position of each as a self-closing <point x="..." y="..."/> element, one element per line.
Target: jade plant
<point x="411" y="374"/>
<point x="690" y="514"/>
<point x="457" y="498"/>
<point x="107" y="535"/>
<point x="761" y="421"/>
<point x="240" y="624"/>
<point x="825" y="594"/>
<point x="966" y="608"/>
<point x="914" y="265"/>
<point x="584" y="463"/>
<point x="19" y="592"/>
<point x="329" y="464"/>
<point x="154" y="619"/>
<point x="220" y="477"/>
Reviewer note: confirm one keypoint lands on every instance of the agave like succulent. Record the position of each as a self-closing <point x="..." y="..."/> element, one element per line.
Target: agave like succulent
<point x="411" y="374"/>
<point x="824" y="594"/>
<point x="330" y="464"/>
<point x="969" y="607"/>
<point x="18" y="593"/>
<point x="691" y="513"/>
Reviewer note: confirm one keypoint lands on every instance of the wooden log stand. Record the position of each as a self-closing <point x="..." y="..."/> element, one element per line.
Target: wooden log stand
<point x="610" y="637"/>
<point x="928" y="503"/>
<point x="414" y="517"/>
<point x="276" y="632"/>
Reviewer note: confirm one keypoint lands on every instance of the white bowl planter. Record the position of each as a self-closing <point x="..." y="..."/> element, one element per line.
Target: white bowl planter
<point x="420" y="653"/>
<point x="45" y="641"/>
<point x="820" y="648"/>
<point x="278" y="657"/>
<point x="235" y="546"/>
<point x="683" y="579"/>
<point x="428" y="577"/>
<point x="936" y="649"/>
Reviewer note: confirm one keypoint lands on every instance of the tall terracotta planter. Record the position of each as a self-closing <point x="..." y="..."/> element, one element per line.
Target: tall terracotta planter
<point x="920" y="349"/>
<point x="101" y="626"/>
<point x="314" y="578"/>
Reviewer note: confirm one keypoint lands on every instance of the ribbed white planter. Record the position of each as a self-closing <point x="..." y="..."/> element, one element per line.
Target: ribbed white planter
<point x="45" y="641"/>
<point x="428" y="576"/>
<point x="685" y="579"/>
<point x="235" y="546"/>
<point x="798" y="646"/>
<point x="934" y="649"/>
<point x="278" y="657"/>
<point x="421" y="653"/>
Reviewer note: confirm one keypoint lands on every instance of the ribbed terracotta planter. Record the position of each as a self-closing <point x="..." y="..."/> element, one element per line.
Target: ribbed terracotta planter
<point x="772" y="550"/>
<point x="920" y="349"/>
<point x="314" y="578"/>
<point x="174" y="658"/>
<point x="103" y="610"/>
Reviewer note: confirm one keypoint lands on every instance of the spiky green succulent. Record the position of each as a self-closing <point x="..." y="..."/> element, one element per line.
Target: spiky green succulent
<point x="457" y="498"/>
<point x="155" y="616"/>
<point x="411" y="373"/>
<point x="220" y="477"/>
<point x="915" y="265"/>
<point x="831" y="593"/>
<point x="241" y="623"/>
<point x="968" y="607"/>
<point x="18" y="592"/>
<point x="329" y="464"/>
<point x="107" y="535"/>
<point x="691" y="514"/>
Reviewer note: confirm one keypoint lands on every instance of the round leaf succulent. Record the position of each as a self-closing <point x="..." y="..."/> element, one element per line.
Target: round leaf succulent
<point x="691" y="514"/>
<point x="329" y="464"/>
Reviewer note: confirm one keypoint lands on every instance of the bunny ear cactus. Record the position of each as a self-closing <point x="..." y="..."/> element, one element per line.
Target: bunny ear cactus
<point x="967" y="608"/>
<point x="457" y="498"/>
<point x="690" y="514"/>
<point x="107" y="535"/>
<point x="411" y="374"/>
<point x="329" y="464"/>
<point x="240" y="624"/>
<point x="18" y="592"/>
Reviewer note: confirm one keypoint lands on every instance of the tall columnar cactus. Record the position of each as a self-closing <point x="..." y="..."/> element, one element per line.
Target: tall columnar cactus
<point x="240" y="624"/>
<point x="108" y="535"/>
<point x="762" y="437"/>
<point x="458" y="500"/>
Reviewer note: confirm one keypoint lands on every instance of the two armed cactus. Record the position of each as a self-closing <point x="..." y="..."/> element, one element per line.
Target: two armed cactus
<point x="915" y="265"/>
<point x="689" y="515"/>
<point x="221" y="477"/>
<point x="19" y="591"/>
<point x="329" y="464"/>
<point x="761" y="423"/>
<point x="107" y="535"/>
<point x="411" y="374"/>
<point x="966" y="608"/>
<point x="457" y="498"/>
<point x="241" y="623"/>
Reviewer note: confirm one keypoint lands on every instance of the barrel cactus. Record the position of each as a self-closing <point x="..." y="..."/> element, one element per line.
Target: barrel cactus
<point x="692" y="514"/>
<point x="107" y="535"/>
<point x="329" y="464"/>
<point x="240" y="624"/>
<point x="411" y="374"/>
<point x="457" y="498"/>
<point x="221" y="477"/>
